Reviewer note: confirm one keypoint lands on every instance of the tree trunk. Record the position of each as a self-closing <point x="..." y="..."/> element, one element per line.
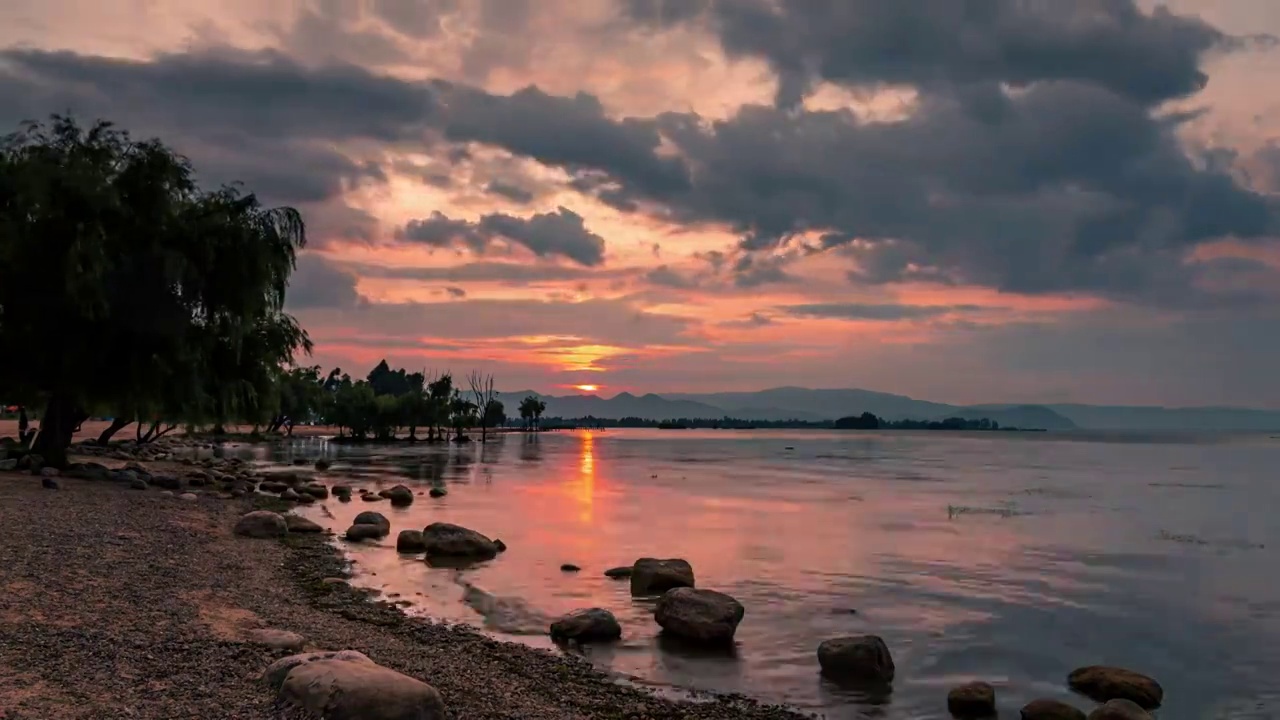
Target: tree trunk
<point x="57" y="426"/>
<point x="117" y="424"/>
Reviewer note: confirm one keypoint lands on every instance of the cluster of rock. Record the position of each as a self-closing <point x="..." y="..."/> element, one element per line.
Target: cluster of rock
<point x="267" y="524"/>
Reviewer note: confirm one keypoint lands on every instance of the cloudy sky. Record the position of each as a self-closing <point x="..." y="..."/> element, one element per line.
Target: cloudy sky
<point x="968" y="201"/>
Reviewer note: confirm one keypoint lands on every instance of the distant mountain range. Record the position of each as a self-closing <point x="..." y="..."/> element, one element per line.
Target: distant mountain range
<point x="794" y="403"/>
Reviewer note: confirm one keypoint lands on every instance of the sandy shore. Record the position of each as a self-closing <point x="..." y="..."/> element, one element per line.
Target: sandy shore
<point x="130" y="604"/>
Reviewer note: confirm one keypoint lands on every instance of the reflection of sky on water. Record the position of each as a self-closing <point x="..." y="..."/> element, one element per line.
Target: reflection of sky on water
<point x="1006" y="558"/>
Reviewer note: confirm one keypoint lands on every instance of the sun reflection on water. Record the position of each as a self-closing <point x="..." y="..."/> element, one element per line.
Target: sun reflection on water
<point x="584" y="489"/>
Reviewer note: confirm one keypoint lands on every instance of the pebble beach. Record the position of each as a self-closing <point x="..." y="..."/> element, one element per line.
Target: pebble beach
<point x="117" y="603"/>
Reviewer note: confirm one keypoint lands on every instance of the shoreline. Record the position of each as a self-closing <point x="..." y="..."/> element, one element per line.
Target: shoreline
<point x="114" y="593"/>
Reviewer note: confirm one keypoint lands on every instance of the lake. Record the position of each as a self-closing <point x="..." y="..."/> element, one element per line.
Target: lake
<point x="1010" y="558"/>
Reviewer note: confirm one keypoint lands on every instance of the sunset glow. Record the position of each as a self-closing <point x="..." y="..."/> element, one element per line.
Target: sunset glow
<point x="580" y="190"/>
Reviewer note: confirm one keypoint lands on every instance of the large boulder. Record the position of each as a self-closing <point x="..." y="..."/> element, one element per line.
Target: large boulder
<point x="651" y="576"/>
<point x="1119" y="710"/>
<point x="701" y="615"/>
<point x="277" y="671"/>
<point x="863" y="658"/>
<point x="585" y="626"/>
<point x="262" y="524"/>
<point x="358" y="689"/>
<point x="1103" y="683"/>
<point x="410" y="541"/>
<point x="972" y="700"/>
<point x="299" y="524"/>
<point x="364" y="531"/>
<point x="369" y="517"/>
<point x="1047" y="709"/>
<point x="449" y="540"/>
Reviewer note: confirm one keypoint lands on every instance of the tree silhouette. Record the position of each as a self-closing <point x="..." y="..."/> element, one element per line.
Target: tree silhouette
<point x="124" y="285"/>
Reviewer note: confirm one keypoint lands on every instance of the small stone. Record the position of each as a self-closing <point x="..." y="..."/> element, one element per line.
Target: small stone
<point x="188" y="496"/>
<point x="166" y="493"/>
<point x="1046" y="709"/>
<point x="400" y="496"/>
<point x="137" y="484"/>
<point x="289" y="494"/>
<point x="1102" y="683"/>
<point x="1119" y="709"/>
<point x="569" y="568"/>
<point x="323" y="464"/>
<point x="972" y="700"/>
<point x="316" y="490"/>
<point x="369" y="517"/>
<point x="370" y="497"/>
<point x="48" y="483"/>
<point x="49" y="472"/>
<point x="618" y="573"/>
<point x="437" y="492"/>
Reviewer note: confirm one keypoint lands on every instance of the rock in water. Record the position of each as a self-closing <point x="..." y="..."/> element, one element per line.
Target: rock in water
<point x="618" y="573"/>
<point x="569" y="568"/>
<point x="316" y="490"/>
<point x="299" y="524"/>
<point x="323" y="465"/>
<point x="437" y="492"/>
<point x="502" y="547"/>
<point x="400" y="496"/>
<point x="359" y="532"/>
<point x="410" y="541"/>
<point x="1102" y="683"/>
<point x="972" y="700"/>
<point x="449" y="540"/>
<point x="358" y="689"/>
<point x="650" y="576"/>
<point x="1045" y="709"/>
<point x="261" y="524"/>
<point x="702" y="615"/>
<point x="1119" y="710"/>
<point x="861" y="658"/>
<point x="377" y="519"/>
<point x="584" y="626"/>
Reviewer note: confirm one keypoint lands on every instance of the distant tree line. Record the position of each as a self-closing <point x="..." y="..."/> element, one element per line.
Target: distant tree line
<point x="865" y="421"/>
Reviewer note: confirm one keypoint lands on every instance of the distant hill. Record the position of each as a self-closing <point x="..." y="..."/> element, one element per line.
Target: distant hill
<point x="810" y="405"/>
<point x="1020" y="416"/>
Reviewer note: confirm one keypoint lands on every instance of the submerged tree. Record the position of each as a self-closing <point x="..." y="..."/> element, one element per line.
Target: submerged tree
<point x="124" y="285"/>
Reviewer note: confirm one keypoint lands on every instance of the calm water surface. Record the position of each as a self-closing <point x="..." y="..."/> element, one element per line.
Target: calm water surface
<point x="1007" y="558"/>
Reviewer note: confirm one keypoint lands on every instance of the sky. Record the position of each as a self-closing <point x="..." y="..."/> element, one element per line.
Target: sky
<point x="968" y="201"/>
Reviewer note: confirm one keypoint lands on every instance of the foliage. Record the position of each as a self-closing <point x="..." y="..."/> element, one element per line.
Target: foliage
<point x="125" y="289"/>
<point x="531" y="409"/>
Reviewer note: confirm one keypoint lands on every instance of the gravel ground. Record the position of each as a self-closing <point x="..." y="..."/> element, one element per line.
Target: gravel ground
<point x="117" y="603"/>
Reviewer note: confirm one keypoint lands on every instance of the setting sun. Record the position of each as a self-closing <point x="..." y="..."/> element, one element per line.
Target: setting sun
<point x="586" y="388"/>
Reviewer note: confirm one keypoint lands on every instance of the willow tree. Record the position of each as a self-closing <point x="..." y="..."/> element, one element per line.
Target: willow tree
<point x="125" y="285"/>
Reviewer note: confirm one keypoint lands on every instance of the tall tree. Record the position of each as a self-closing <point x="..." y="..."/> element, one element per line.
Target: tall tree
<point x="125" y="285"/>
<point x="482" y="391"/>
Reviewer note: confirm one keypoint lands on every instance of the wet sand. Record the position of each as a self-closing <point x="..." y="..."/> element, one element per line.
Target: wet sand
<point x="117" y="603"/>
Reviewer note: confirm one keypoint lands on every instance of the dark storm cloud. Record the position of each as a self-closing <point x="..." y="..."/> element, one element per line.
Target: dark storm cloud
<point x="561" y="233"/>
<point x="1147" y="56"/>
<point x="511" y="192"/>
<point x="874" y="311"/>
<point x="317" y="283"/>
<point x="1064" y="186"/>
